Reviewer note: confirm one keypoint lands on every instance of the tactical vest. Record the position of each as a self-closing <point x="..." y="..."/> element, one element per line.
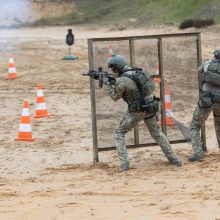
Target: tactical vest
<point x="131" y="95"/>
<point x="135" y="98"/>
<point x="143" y="81"/>
<point x="208" y="96"/>
<point x="213" y="73"/>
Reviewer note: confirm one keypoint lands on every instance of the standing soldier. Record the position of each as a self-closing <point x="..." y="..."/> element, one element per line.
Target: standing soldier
<point x="209" y="101"/>
<point x="136" y="87"/>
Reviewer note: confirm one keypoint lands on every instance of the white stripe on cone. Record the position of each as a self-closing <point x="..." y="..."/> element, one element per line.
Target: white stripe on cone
<point x="12" y="70"/>
<point x="40" y="93"/>
<point x="169" y="112"/>
<point x="25" y="112"/>
<point x="167" y="99"/>
<point x="25" y="128"/>
<point x="11" y="60"/>
<point x="41" y="106"/>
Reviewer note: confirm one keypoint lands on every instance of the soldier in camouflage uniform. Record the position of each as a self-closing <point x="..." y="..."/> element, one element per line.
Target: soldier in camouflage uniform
<point x="209" y="101"/>
<point x="125" y="87"/>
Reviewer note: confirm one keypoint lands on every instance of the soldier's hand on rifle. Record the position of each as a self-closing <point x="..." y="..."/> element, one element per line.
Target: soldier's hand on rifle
<point x="105" y="81"/>
<point x="109" y="80"/>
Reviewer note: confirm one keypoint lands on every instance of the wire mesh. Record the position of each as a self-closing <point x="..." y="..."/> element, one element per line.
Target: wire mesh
<point x="181" y="79"/>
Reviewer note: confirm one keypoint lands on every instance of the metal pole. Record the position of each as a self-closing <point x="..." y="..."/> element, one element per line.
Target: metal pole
<point x="132" y="63"/>
<point x="93" y="105"/>
<point x="199" y="62"/>
<point x="162" y="94"/>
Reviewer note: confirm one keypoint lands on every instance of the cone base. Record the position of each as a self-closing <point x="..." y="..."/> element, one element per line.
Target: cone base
<point x="25" y="139"/>
<point x="42" y="116"/>
<point x="12" y="77"/>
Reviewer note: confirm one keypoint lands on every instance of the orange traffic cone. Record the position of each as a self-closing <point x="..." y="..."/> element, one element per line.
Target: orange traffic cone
<point x="41" y="108"/>
<point x="11" y="68"/>
<point x="110" y="51"/>
<point x="25" y="133"/>
<point x="169" y="113"/>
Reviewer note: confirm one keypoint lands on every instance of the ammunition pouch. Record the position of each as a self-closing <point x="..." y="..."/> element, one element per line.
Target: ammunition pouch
<point x="205" y="99"/>
<point x="150" y="107"/>
<point x="216" y="97"/>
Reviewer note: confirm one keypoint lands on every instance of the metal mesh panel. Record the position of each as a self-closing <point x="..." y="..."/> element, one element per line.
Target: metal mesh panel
<point x="180" y="72"/>
<point x="146" y="57"/>
<point x="107" y="112"/>
<point x="181" y="78"/>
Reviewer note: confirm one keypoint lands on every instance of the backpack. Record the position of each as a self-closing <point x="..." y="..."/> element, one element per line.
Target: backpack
<point x="144" y="82"/>
<point x="213" y="73"/>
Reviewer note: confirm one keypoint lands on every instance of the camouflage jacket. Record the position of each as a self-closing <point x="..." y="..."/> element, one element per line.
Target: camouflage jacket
<point x="205" y="85"/>
<point x="125" y="88"/>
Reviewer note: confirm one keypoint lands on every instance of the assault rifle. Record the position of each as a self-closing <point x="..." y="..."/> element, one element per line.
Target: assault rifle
<point x="100" y="75"/>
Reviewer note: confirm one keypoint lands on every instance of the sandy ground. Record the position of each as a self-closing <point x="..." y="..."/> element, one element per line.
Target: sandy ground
<point x="53" y="178"/>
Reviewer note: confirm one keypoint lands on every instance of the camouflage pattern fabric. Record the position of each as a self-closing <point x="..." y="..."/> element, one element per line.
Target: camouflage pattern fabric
<point x="129" y="120"/>
<point x="199" y="116"/>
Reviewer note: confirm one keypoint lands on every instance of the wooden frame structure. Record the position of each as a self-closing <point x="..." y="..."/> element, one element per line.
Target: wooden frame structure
<point x="131" y="41"/>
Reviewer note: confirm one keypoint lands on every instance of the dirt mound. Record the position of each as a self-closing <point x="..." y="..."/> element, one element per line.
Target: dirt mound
<point x="56" y="8"/>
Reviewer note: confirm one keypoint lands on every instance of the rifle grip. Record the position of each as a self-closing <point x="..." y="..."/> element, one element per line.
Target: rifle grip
<point x="101" y="80"/>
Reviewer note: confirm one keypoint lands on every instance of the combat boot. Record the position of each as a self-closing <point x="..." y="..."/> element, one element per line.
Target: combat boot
<point x="196" y="157"/>
<point x="124" y="167"/>
<point x="177" y="162"/>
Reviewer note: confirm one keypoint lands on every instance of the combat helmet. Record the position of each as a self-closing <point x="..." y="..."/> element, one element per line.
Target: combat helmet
<point x="217" y="54"/>
<point x="117" y="62"/>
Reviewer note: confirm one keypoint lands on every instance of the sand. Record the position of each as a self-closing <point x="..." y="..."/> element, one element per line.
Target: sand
<point x="54" y="178"/>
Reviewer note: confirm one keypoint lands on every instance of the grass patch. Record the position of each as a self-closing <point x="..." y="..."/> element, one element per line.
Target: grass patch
<point x="144" y="11"/>
<point x="217" y="20"/>
<point x="72" y="18"/>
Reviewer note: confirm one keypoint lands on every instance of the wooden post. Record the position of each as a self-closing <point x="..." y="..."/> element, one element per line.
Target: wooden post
<point x="162" y="89"/>
<point x="93" y="105"/>
<point x="199" y="62"/>
<point x="132" y="63"/>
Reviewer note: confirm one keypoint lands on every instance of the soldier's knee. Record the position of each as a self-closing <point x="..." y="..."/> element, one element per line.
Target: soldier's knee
<point x="156" y="134"/>
<point x="118" y="134"/>
<point x="195" y="125"/>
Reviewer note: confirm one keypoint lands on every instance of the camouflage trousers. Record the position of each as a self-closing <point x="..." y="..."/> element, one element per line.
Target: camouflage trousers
<point x="199" y="116"/>
<point x="127" y="122"/>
